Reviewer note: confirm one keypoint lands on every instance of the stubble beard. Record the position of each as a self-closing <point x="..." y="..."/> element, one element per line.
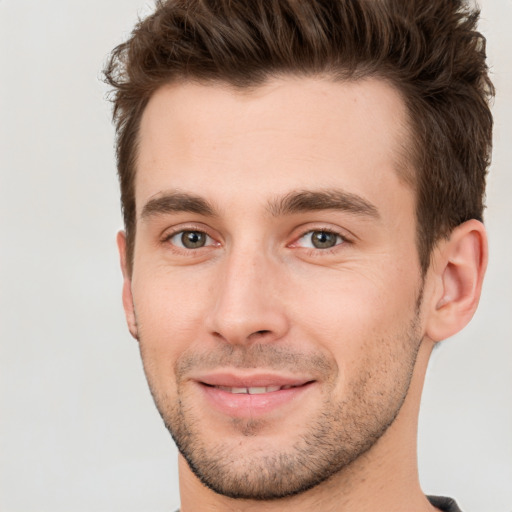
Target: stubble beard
<point x="340" y="433"/>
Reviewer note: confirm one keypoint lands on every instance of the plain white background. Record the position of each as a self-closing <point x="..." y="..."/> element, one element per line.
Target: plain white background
<point x="78" y="429"/>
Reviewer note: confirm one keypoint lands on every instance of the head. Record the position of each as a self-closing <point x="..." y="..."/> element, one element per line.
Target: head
<point x="429" y="51"/>
<point x="302" y="185"/>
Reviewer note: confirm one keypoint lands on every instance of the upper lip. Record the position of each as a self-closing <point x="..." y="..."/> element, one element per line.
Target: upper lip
<point x="250" y="380"/>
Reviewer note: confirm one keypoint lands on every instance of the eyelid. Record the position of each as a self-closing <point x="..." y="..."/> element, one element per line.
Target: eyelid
<point x="340" y="239"/>
<point x="175" y="240"/>
<point x="182" y="228"/>
<point x="345" y="235"/>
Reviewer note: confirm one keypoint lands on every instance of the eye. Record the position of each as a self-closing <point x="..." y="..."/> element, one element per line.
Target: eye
<point x="320" y="240"/>
<point x="190" y="239"/>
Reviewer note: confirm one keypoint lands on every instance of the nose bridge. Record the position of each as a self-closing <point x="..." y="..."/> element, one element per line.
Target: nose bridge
<point x="247" y="305"/>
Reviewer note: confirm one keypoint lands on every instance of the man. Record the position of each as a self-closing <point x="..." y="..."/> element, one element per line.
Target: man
<point x="302" y="186"/>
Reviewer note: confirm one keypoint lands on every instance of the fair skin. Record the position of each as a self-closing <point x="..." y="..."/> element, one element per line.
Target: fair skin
<point x="276" y="293"/>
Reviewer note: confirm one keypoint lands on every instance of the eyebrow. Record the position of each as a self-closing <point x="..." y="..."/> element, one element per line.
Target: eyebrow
<point x="293" y="202"/>
<point x="172" y="202"/>
<point x="307" y="200"/>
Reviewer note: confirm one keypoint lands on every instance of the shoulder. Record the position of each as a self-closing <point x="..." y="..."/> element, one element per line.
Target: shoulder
<point x="444" y="504"/>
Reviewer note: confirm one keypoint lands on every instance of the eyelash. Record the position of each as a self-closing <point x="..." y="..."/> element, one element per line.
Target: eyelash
<point x="310" y="250"/>
<point x="167" y="238"/>
<point x="316" y="251"/>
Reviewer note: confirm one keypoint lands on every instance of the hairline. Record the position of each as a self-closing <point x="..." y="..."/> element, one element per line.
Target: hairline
<point x="406" y="153"/>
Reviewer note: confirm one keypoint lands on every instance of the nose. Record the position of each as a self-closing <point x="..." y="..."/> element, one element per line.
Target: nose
<point x="247" y="303"/>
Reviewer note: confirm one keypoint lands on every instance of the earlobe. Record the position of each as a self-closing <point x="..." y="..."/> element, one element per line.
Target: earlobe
<point x="129" y="309"/>
<point x="459" y="267"/>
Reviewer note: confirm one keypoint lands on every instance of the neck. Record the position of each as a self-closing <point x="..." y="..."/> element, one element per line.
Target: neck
<point x="384" y="479"/>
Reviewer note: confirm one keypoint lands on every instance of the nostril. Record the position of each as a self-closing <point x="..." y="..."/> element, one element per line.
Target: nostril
<point x="263" y="332"/>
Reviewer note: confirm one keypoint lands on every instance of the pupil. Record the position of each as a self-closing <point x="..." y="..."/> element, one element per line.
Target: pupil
<point x="193" y="239"/>
<point x="323" y="239"/>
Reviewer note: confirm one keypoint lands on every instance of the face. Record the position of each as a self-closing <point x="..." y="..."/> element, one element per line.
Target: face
<point x="276" y="284"/>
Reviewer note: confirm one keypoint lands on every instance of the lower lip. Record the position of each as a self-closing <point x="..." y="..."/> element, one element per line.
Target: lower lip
<point x="243" y="405"/>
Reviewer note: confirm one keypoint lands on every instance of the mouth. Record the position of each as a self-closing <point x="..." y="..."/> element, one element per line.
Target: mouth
<point x="255" y="395"/>
<point x="254" y="390"/>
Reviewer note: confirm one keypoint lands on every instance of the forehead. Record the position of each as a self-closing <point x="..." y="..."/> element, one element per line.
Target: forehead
<point x="288" y="133"/>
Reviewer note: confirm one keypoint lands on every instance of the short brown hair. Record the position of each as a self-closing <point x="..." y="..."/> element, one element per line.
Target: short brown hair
<point x="429" y="50"/>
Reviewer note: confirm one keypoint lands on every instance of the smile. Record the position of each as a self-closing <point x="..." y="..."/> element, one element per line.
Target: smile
<point x="231" y="396"/>
<point x="258" y="390"/>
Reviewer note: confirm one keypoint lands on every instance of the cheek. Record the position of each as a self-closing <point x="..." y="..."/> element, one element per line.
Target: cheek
<point x="170" y="310"/>
<point x="171" y="298"/>
<point x="346" y="310"/>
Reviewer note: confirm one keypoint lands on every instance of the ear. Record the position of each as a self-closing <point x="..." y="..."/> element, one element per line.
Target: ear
<point x="129" y="309"/>
<point x="458" y="268"/>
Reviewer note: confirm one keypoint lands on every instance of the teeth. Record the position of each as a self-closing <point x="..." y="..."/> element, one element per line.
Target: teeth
<point x="256" y="391"/>
<point x="273" y="388"/>
<point x="252" y="390"/>
<point x="237" y="391"/>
